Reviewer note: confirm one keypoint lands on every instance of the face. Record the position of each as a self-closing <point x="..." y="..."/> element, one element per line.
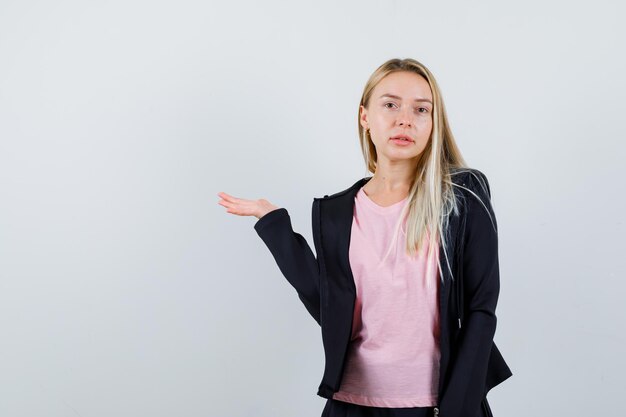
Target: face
<point x="401" y="104"/>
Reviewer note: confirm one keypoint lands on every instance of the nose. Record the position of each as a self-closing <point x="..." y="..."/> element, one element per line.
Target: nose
<point x="404" y="118"/>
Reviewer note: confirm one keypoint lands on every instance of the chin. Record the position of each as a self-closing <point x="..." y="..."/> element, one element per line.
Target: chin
<point x="401" y="156"/>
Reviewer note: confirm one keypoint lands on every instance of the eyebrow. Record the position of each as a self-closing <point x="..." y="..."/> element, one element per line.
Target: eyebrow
<point x="399" y="98"/>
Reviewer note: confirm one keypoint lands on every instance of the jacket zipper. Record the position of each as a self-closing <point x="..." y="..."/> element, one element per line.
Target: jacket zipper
<point x="459" y="313"/>
<point x="459" y="286"/>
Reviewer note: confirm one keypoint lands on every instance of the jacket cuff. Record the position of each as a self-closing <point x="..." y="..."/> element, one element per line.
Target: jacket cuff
<point x="270" y="217"/>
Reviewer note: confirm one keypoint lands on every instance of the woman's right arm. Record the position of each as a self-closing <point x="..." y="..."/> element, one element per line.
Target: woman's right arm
<point x="294" y="257"/>
<point x="291" y="251"/>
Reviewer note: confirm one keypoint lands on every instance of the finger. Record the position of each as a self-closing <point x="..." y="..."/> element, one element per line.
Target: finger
<point x="240" y="209"/>
<point x="231" y="198"/>
<point x="230" y="202"/>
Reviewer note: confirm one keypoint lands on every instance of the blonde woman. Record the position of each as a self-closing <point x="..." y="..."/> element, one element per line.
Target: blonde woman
<point x="406" y="277"/>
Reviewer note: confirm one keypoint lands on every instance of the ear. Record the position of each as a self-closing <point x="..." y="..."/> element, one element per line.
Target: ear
<point x="363" y="117"/>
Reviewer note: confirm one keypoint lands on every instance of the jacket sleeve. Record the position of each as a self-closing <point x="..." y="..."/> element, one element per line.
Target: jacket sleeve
<point x="481" y="286"/>
<point x="294" y="257"/>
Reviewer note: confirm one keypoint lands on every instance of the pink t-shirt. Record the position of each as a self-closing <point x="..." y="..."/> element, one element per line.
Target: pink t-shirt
<point x="393" y="357"/>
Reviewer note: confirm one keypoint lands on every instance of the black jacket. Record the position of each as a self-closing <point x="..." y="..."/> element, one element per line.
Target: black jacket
<point x="470" y="364"/>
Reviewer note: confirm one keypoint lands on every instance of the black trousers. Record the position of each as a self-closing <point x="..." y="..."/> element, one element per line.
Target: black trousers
<point x="336" y="408"/>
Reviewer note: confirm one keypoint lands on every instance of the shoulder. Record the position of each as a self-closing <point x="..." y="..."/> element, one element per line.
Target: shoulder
<point x="472" y="188"/>
<point x="476" y="191"/>
<point x="470" y="178"/>
<point x="354" y="187"/>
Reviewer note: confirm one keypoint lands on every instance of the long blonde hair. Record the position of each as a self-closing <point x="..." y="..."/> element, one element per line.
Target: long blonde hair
<point x="431" y="197"/>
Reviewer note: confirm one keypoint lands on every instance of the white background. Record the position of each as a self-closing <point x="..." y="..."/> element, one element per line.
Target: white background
<point x="126" y="290"/>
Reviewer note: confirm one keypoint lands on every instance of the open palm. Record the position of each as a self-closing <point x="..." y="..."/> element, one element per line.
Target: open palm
<point x="244" y="207"/>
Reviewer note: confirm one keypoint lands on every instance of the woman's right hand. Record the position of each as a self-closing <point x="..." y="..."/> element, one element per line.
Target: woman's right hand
<point x="242" y="207"/>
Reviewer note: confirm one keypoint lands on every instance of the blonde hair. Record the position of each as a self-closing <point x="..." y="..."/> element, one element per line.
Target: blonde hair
<point x="431" y="197"/>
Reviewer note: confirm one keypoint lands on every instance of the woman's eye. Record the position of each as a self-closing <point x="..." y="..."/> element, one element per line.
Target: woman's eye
<point x="389" y="103"/>
<point x="425" y="110"/>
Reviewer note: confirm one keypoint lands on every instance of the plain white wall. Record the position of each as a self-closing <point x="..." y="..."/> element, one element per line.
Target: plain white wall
<point x="126" y="290"/>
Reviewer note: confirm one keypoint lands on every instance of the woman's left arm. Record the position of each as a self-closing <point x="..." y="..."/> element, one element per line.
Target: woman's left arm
<point x="481" y="287"/>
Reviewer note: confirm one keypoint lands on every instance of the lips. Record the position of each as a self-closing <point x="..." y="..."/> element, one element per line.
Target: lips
<point x="408" y="138"/>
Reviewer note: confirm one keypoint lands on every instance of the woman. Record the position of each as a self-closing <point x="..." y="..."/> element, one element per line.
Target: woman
<point x="406" y="279"/>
